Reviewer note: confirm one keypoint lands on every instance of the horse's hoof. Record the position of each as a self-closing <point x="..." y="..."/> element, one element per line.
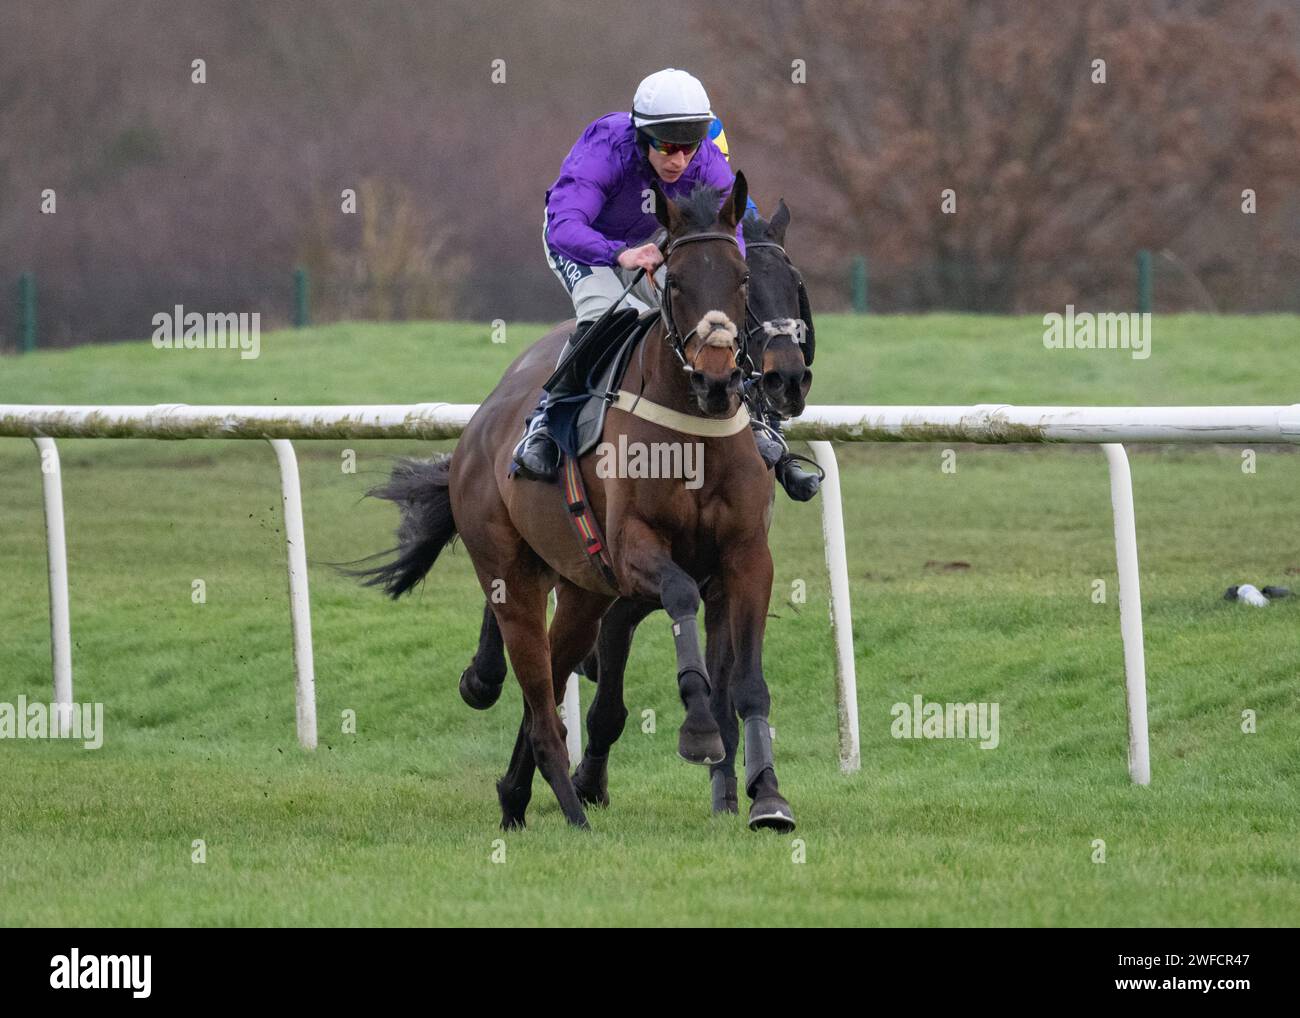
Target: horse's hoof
<point x="475" y="692"/>
<point x="771" y="813"/>
<point x="592" y="791"/>
<point x="726" y="806"/>
<point x="511" y="823"/>
<point x="700" y="747"/>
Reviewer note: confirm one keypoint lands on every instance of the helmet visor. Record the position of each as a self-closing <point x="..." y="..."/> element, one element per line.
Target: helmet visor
<point x="679" y="132"/>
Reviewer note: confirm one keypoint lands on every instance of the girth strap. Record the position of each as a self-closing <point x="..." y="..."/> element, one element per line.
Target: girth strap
<point x="585" y="524"/>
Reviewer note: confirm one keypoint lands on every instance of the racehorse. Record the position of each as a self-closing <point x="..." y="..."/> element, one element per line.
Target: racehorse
<point x="778" y="354"/>
<point x="663" y="537"/>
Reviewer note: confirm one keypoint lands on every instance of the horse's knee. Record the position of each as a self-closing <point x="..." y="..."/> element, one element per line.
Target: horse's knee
<point x="605" y="726"/>
<point x="680" y="596"/>
<point x="751" y="698"/>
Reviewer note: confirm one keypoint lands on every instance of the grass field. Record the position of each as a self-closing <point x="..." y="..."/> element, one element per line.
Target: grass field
<point x="396" y="824"/>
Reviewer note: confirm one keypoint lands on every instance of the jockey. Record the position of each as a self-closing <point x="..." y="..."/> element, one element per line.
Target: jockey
<point x="597" y="232"/>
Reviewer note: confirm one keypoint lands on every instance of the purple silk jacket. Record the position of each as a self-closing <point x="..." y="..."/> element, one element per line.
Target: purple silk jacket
<point x="593" y="210"/>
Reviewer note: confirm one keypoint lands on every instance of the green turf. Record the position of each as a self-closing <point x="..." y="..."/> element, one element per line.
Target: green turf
<point x="397" y="823"/>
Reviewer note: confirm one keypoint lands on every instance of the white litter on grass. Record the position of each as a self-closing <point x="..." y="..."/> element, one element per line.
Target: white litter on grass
<point x="1247" y="594"/>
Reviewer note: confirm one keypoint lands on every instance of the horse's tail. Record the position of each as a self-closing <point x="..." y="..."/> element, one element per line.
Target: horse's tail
<point x="420" y="490"/>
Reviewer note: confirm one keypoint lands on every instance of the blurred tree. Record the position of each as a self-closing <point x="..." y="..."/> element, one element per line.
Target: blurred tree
<point x="205" y="194"/>
<point x="400" y="262"/>
<point x="1058" y="177"/>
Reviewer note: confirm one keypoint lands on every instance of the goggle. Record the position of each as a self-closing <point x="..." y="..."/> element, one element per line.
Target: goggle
<point x="671" y="148"/>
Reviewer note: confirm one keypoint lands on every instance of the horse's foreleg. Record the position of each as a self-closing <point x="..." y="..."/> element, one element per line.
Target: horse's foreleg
<point x="647" y="564"/>
<point x="747" y="588"/>
<point x="717" y="652"/>
<point x="608" y="713"/>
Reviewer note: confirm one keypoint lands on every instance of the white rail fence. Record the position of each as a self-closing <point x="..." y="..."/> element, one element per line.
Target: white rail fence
<point x="1108" y="427"/>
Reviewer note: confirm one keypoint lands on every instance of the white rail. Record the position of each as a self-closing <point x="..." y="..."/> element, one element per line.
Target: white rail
<point x="986" y="422"/>
<point x="821" y="425"/>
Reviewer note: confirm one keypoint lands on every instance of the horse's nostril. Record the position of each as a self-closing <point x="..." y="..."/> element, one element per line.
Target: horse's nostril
<point x="736" y="379"/>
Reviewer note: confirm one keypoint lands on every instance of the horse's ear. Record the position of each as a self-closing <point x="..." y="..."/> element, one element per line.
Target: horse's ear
<point x="665" y="210"/>
<point x="777" y="227"/>
<point x="734" y="207"/>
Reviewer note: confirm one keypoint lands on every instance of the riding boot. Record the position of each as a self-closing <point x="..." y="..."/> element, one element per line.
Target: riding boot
<point x="537" y="456"/>
<point x="798" y="483"/>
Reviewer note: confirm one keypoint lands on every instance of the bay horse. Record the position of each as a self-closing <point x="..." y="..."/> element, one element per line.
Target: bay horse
<point x="780" y="350"/>
<point x="779" y="355"/>
<point x="663" y="538"/>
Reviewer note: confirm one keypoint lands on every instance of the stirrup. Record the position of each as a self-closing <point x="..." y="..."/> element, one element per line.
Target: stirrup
<point x="770" y="442"/>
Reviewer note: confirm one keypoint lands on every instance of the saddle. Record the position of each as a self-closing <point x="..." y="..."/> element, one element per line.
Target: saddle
<point x="576" y="421"/>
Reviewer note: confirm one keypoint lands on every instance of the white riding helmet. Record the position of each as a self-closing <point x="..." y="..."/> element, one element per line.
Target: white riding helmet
<point x="672" y="106"/>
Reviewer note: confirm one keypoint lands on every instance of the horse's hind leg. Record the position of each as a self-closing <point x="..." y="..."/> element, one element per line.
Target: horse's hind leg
<point x="542" y="664"/>
<point x="608" y="713"/>
<point x="515" y="789"/>
<point x="481" y="682"/>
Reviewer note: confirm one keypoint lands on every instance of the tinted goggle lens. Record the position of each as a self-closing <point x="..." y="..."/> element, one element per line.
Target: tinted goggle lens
<point x="671" y="148"/>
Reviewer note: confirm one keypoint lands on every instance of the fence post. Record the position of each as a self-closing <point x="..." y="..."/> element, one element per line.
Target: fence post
<point x="858" y="276"/>
<point x="301" y="297"/>
<point x="27" y="312"/>
<point x="1144" y="282"/>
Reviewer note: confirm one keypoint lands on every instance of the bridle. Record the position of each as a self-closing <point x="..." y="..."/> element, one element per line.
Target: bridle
<point x="676" y="339"/>
<point x="799" y="330"/>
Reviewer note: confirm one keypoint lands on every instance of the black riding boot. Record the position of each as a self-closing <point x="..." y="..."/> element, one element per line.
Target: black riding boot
<point x="537" y="456"/>
<point x="797" y="482"/>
